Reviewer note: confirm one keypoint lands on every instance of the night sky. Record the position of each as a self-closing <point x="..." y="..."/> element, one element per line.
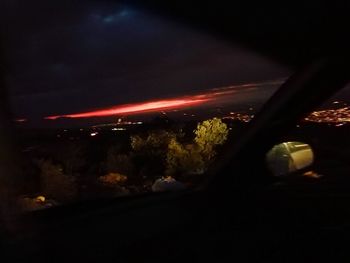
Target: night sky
<point x="65" y="58"/>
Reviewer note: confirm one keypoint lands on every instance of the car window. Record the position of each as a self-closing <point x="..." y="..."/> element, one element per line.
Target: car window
<point x="110" y="100"/>
<point x="323" y="131"/>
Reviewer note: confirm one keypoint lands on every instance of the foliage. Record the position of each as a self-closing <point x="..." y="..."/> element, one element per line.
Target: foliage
<point x="183" y="159"/>
<point x="149" y="153"/>
<point x="54" y="183"/>
<point x="118" y="163"/>
<point x="209" y="134"/>
<point x="113" y="179"/>
<point x="194" y="158"/>
<point x="70" y="155"/>
<point x="155" y="141"/>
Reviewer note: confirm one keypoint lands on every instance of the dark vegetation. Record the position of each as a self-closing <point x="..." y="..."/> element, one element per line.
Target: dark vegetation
<point x="64" y="166"/>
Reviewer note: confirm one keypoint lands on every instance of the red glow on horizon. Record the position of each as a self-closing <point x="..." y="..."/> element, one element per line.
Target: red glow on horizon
<point x="214" y="95"/>
<point x="136" y="108"/>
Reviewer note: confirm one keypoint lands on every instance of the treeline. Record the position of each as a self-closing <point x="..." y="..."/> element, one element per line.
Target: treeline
<point x="73" y="171"/>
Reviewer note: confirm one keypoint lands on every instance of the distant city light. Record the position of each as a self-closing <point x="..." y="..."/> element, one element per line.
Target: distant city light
<point x="119" y="123"/>
<point x="341" y="115"/>
<point x="20" y="120"/>
<point x="118" y="129"/>
<point x="93" y="134"/>
<point x="239" y="117"/>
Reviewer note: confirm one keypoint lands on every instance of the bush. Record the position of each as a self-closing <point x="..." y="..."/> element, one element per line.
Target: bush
<point x="149" y="153"/>
<point x="118" y="163"/>
<point x="183" y="159"/>
<point x="194" y="158"/>
<point x="209" y="134"/>
<point x="55" y="184"/>
<point x="113" y="179"/>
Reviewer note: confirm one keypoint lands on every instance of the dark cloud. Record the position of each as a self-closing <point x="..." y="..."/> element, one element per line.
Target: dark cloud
<point x="70" y="56"/>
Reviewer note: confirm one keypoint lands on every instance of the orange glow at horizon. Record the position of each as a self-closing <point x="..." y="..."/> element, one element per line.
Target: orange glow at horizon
<point x="136" y="108"/>
<point x="213" y="95"/>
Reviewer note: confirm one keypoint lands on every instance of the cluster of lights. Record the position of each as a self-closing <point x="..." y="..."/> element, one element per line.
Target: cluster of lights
<point x="129" y="123"/>
<point x="338" y="117"/>
<point x="119" y="123"/>
<point x="239" y="116"/>
<point x="189" y="115"/>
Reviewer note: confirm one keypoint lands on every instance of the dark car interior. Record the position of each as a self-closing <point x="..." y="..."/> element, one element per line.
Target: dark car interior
<point x="242" y="213"/>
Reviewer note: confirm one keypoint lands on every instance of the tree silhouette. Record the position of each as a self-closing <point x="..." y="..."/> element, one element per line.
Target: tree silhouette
<point x="209" y="134"/>
<point x="149" y="153"/>
<point x="183" y="159"/>
<point x="194" y="158"/>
